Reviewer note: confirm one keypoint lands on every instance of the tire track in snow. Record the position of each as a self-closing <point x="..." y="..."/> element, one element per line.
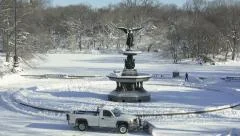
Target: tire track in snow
<point x="210" y="110"/>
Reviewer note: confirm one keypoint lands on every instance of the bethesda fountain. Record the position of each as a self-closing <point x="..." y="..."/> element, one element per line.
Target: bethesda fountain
<point x="129" y="81"/>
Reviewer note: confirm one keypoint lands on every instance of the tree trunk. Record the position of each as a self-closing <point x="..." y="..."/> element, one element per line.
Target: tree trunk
<point x="213" y="51"/>
<point x="7" y="48"/>
<point x="234" y="49"/>
<point x="88" y="45"/>
<point x="226" y="54"/>
<point x="7" y="56"/>
<point x="80" y="43"/>
<point x="3" y="41"/>
<point x="198" y="49"/>
<point x="118" y="44"/>
<point x="149" y="47"/>
<point x="102" y="43"/>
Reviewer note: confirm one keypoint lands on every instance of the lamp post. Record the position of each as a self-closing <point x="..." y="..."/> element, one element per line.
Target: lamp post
<point x="15" y="58"/>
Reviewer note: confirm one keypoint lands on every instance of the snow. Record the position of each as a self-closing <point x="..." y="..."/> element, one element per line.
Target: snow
<point x="4" y="66"/>
<point x="229" y="63"/>
<point x="205" y="90"/>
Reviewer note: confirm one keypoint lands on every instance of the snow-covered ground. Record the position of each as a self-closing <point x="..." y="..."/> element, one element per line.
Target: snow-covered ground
<point x="205" y="90"/>
<point x="4" y="66"/>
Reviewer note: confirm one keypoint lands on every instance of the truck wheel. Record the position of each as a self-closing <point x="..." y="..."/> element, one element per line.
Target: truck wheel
<point x="82" y="126"/>
<point x="123" y="129"/>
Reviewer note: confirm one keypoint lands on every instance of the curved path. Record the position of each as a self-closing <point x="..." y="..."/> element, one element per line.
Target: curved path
<point x="208" y="110"/>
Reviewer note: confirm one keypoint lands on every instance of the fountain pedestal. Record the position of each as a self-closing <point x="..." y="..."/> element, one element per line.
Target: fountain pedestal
<point x="129" y="82"/>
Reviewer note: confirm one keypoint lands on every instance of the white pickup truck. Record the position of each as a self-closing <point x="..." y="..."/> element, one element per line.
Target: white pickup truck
<point x="104" y="117"/>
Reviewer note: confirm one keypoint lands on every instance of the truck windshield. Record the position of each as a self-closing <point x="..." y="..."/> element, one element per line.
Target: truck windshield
<point x="116" y="112"/>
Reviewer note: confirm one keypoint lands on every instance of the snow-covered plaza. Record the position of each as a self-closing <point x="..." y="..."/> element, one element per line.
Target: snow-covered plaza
<point x="205" y="101"/>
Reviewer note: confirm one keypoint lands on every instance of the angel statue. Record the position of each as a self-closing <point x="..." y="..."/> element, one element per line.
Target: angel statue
<point x="129" y="33"/>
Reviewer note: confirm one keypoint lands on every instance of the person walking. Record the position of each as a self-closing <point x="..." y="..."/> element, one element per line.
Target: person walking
<point x="186" y="76"/>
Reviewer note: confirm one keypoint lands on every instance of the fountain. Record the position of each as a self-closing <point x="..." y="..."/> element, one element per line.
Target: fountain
<point x="129" y="81"/>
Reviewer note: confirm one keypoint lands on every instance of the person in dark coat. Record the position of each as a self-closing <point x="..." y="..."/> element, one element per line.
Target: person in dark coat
<point x="186" y="76"/>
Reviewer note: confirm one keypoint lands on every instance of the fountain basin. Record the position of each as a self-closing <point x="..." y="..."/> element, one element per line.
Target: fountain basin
<point x="129" y="96"/>
<point x="129" y="79"/>
<point x="129" y="88"/>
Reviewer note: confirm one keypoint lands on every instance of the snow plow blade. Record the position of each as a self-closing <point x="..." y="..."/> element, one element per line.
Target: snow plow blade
<point x="148" y="127"/>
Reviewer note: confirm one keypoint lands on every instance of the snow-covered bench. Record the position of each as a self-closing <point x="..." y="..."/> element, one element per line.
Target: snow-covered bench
<point x="161" y="76"/>
<point x="55" y="76"/>
<point x="232" y="78"/>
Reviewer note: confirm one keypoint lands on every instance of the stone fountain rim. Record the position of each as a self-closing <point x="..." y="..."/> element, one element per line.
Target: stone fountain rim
<point x="132" y="52"/>
<point x="129" y="77"/>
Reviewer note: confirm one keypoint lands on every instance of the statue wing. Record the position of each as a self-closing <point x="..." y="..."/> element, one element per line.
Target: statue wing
<point x="123" y="29"/>
<point x="137" y="29"/>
